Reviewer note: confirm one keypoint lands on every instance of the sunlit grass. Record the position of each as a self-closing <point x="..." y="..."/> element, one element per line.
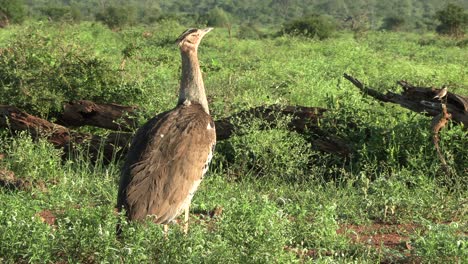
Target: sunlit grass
<point x="281" y="201"/>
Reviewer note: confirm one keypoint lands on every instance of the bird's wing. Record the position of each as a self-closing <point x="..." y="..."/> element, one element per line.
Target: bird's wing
<point x="171" y="164"/>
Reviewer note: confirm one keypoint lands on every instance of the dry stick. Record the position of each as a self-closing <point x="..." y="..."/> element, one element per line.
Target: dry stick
<point x="439" y="122"/>
<point x="365" y="89"/>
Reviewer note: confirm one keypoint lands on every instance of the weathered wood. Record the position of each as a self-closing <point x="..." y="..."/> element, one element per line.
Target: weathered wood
<point x="303" y="119"/>
<point x="118" y="117"/>
<point x="82" y="113"/>
<point x="419" y="99"/>
<point x="16" y="120"/>
<point x="109" y="116"/>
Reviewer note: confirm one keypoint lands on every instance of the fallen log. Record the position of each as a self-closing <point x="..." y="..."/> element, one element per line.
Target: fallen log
<point x="109" y="116"/>
<point x="16" y="120"/>
<point x="121" y="118"/>
<point x="419" y="99"/>
<point x="304" y="119"/>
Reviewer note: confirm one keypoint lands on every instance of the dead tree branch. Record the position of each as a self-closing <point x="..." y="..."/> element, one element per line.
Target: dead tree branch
<point x="419" y="99"/>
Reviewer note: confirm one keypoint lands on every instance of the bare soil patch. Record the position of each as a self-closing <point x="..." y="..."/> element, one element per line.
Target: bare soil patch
<point x="379" y="235"/>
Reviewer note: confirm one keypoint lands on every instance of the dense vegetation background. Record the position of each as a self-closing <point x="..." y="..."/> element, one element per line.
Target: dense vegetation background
<point x="407" y="14"/>
<point x="281" y="200"/>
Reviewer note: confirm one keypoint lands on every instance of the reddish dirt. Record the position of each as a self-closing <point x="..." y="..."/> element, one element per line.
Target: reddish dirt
<point x="47" y="216"/>
<point x="379" y="234"/>
<point x="376" y="236"/>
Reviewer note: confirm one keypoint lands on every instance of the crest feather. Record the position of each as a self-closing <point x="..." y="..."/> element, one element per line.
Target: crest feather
<point x="185" y="34"/>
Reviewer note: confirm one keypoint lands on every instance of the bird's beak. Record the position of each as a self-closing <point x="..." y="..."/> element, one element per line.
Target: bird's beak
<point x="206" y="30"/>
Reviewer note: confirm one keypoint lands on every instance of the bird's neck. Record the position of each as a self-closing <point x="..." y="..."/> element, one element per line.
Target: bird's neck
<point x="191" y="85"/>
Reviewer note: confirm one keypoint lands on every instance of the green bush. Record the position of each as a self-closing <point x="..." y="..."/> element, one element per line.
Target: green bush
<point x="393" y="23"/>
<point x="255" y="230"/>
<point x="217" y="17"/>
<point x="56" y="13"/>
<point x="117" y="16"/>
<point x="38" y="72"/>
<point x="12" y="10"/>
<point x="453" y="20"/>
<point x="31" y="160"/>
<point x="316" y="26"/>
<point x="23" y="238"/>
<point x="273" y="153"/>
<point x="249" y="32"/>
<point x="442" y="243"/>
<point x="317" y="230"/>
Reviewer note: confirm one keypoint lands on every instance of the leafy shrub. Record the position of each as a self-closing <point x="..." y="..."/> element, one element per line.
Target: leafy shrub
<point x="393" y="23"/>
<point x="316" y="26"/>
<point x="21" y="233"/>
<point x="318" y="230"/>
<point x="256" y="231"/>
<point x="39" y="72"/>
<point x="117" y="16"/>
<point x="249" y="32"/>
<point x="217" y="17"/>
<point x="453" y="20"/>
<point x="31" y="160"/>
<point x="150" y="16"/>
<point x="57" y="13"/>
<point x="442" y="243"/>
<point x="11" y="10"/>
<point x="273" y="153"/>
<point x="407" y="145"/>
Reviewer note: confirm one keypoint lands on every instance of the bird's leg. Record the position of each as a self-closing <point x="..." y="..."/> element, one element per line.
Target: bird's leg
<point x="186" y="219"/>
<point x="166" y="231"/>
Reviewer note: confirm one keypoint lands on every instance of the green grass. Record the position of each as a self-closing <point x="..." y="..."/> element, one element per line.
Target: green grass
<point x="282" y="201"/>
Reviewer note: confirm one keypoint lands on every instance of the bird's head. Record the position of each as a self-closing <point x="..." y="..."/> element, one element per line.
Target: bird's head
<point x="191" y="38"/>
